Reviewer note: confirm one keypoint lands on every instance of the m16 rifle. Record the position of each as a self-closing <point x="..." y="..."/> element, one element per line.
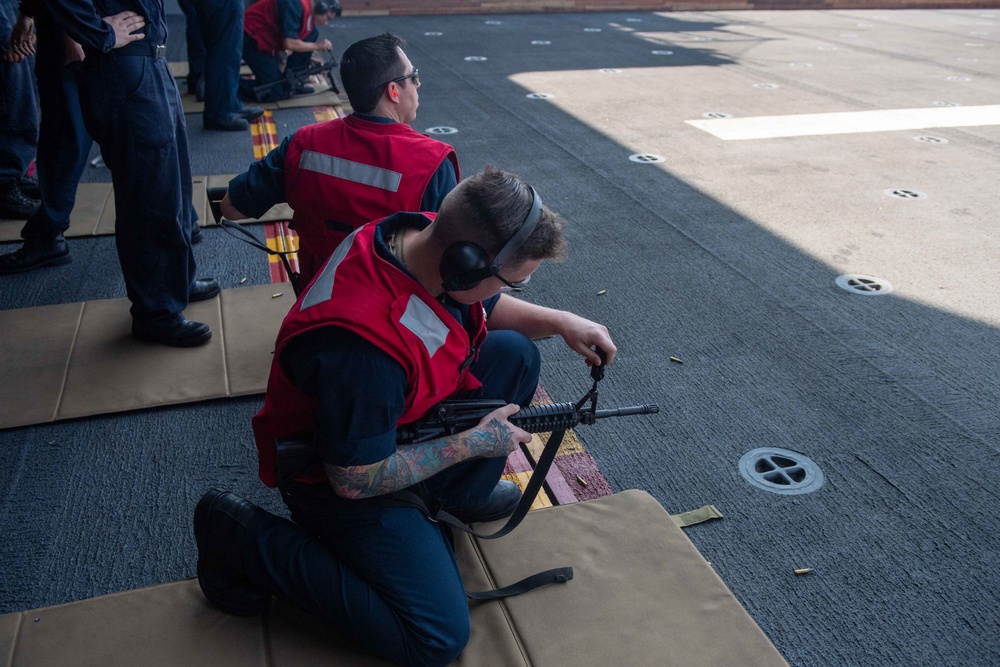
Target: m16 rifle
<point x="296" y="77"/>
<point x="455" y="416"/>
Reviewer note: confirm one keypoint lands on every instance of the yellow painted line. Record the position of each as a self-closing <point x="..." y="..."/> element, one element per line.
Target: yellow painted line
<point x="852" y="122"/>
<point x="325" y="113"/>
<point x="522" y="479"/>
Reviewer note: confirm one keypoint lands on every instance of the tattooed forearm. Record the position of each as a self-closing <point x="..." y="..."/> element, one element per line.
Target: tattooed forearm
<point x="409" y="465"/>
<point x="414" y="463"/>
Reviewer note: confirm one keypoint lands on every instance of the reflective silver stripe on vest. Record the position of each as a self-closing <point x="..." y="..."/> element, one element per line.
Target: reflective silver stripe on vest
<point x="425" y="324"/>
<point x="350" y="171"/>
<point x="322" y="287"/>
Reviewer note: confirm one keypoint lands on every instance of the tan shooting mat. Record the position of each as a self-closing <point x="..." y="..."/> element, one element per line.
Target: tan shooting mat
<point x="94" y="211"/>
<point x="324" y="95"/>
<point x="641" y="596"/>
<point x="80" y="359"/>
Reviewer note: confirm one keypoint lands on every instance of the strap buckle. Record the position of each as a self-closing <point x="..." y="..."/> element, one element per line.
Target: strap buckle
<point x="160" y="51"/>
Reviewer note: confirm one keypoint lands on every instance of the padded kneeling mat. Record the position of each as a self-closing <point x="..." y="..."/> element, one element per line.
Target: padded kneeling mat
<point x="642" y="595"/>
<point x="94" y="211"/>
<point x="80" y="359"/>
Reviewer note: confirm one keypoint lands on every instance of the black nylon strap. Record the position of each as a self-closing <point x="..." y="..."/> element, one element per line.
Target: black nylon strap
<point x="555" y="576"/>
<point x="250" y="239"/>
<point x="559" y="575"/>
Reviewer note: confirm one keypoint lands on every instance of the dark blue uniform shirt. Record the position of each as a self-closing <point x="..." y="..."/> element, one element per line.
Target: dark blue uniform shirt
<point x="82" y="20"/>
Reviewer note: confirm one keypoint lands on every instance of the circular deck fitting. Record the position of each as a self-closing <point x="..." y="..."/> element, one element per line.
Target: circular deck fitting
<point x="660" y="52"/>
<point x="591" y="29"/>
<point x="766" y="86"/>
<point x="539" y="96"/>
<point x="866" y="285"/>
<point x="441" y="129"/>
<point x="905" y="193"/>
<point x="928" y="139"/>
<point x="646" y="158"/>
<point x="540" y="42"/>
<point x="781" y="471"/>
<point x="716" y="114"/>
<point x="800" y="65"/>
<point x="958" y="79"/>
<point x="945" y="103"/>
<point x="610" y="70"/>
<point x="475" y="59"/>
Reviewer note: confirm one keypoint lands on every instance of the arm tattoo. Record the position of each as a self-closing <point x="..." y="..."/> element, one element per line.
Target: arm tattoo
<point x="414" y="463"/>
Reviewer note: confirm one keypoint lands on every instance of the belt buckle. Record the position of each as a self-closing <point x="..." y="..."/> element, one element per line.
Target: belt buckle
<point x="160" y="51"/>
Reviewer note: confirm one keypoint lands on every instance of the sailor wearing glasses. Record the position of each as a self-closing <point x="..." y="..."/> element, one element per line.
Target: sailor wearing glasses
<point x="406" y="313"/>
<point x="340" y="174"/>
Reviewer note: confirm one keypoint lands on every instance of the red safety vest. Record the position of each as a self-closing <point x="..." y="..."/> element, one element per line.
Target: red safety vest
<point x="343" y="173"/>
<point x="262" y="23"/>
<point x="361" y="292"/>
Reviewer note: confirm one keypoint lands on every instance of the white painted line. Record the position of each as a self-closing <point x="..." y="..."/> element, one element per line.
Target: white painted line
<point x="804" y="125"/>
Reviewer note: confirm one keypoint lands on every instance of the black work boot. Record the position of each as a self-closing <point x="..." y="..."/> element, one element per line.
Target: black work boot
<point x="500" y="504"/>
<point x="220" y="519"/>
<point x="15" y="205"/>
<point x="35" y="254"/>
<point x="29" y="186"/>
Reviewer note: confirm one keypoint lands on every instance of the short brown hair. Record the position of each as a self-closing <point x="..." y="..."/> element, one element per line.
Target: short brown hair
<point x="487" y="209"/>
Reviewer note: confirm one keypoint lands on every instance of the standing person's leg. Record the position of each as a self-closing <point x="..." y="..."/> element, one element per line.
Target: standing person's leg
<point x="265" y="70"/>
<point x="195" y="49"/>
<point x="63" y="146"/>
<point x="18" y="136"/>
<point x="385" y="577"/>
<point x="63" y="142"/>
<point x="222" y="25"/>
<point x="132" y="110"/>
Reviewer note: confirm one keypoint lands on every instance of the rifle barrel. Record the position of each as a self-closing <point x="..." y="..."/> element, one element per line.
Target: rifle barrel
<point x="650" y="409"/>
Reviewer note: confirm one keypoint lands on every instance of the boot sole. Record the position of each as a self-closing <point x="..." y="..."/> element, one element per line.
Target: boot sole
<point x="52" y="261"/>
<point x="252" y="601"/>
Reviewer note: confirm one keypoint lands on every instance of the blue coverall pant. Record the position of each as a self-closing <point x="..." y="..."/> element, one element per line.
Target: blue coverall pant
<point x="385" y="575"/>
<point x="133" y="111"/>
<point x="63" y="142"/>
<point x="220" y="29"/>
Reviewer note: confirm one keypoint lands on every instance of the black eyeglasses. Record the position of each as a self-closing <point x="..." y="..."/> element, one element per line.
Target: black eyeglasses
<point x="414" y="76"/>
<point x="508" y="286"/>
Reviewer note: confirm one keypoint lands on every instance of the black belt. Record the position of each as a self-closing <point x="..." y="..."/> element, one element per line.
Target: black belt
<point x="141" y="48"/>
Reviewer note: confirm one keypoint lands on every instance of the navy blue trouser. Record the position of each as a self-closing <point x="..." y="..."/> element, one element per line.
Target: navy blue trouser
<point x="63" y="142"/>
<point x="133" y="111"/>
<point x="385" y="575"/>
<point x="193" y="39"/>
<point x="220" y="26"/>
<point x="266" y="70"/>
<point x="18" y="120"/>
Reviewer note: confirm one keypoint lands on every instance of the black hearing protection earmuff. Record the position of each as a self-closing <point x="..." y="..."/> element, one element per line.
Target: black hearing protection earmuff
<point x="464" y="265"/>
<point x="323" y="7"/>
